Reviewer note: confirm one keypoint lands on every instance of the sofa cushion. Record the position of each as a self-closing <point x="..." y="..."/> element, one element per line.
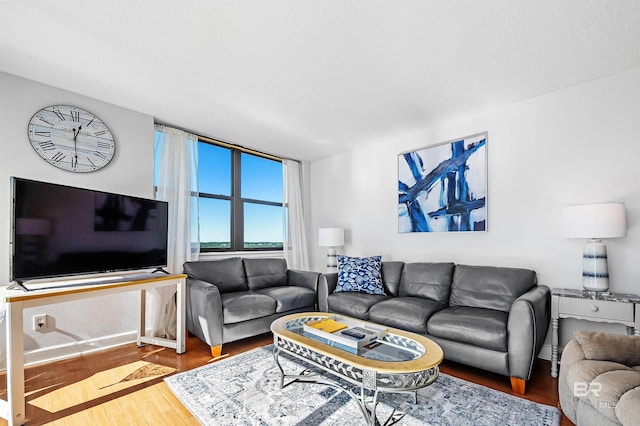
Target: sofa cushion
<point x="405" y="313"/>
<point x="262" y="273"/>
<point x="628" y="407"/>
<point x="603" y="385"/>
<point x="360" y="274"/>
<point x="486" y="328"/>
<point x="289" y="298"/>
<point x="391" y="275"/>
<point x="355" y="305"/>
<point x="611" y="386"/>
<point x="227" y="274"/>
<point x="241" y="306"/>
<point x="427" y="280"/>
<point x="585" y="370"/>
<point x="489" y="286"/>
<point x="610" y="347"/>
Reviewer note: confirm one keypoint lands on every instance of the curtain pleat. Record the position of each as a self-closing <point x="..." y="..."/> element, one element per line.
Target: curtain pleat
<point x="295" y="240"/>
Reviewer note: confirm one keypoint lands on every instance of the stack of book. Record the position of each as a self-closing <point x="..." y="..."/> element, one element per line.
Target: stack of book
<point x="337" y="330"/>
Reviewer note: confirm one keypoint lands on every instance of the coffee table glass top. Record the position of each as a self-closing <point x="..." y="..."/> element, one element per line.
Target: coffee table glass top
<point x="390" y="347"/>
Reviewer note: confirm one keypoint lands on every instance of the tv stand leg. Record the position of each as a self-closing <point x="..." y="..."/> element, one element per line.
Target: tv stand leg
<point x="159" y="270"/>
<point x="142" y="301"/>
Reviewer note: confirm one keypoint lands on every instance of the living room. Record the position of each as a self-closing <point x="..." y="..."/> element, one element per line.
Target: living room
<point x="551" y="143"/>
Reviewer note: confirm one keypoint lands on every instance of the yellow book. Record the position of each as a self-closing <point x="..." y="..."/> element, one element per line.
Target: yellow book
<point x="329" y="325"/>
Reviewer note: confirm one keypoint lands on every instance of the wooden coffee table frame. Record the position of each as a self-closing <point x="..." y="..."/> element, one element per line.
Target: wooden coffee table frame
<point x="369" y="376"/>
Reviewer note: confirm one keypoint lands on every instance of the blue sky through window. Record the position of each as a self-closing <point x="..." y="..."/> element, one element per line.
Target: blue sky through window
<point x="214" y="169"/>
<point x="261" y="178"/>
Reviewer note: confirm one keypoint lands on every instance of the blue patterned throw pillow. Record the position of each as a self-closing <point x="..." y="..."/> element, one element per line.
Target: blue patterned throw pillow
<point x="360" y="274"/>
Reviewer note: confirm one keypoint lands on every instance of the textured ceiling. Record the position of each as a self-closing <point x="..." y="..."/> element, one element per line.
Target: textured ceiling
<point x="310" y="78"/>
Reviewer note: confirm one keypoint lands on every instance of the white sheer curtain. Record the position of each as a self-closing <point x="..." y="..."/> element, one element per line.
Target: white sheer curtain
<point x="176" y="154"/>
<point x="295" y="240"/>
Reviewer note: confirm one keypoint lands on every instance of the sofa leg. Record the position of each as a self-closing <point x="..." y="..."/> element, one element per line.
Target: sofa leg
<point x="216" y="351"/>
<point x="517" y="385"/>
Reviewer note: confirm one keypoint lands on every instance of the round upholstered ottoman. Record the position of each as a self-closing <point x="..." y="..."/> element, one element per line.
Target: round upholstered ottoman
<point x="599" y="382"/>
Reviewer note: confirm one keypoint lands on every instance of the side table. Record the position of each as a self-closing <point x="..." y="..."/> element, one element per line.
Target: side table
<point x="616" y="308"/>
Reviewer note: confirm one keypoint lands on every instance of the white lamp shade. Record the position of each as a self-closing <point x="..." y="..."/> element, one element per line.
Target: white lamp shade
<point x="604" y="220"/>
<point x="330" y="237"/>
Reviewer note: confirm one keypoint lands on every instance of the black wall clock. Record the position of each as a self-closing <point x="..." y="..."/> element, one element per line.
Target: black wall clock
<point x="71" y="138"/>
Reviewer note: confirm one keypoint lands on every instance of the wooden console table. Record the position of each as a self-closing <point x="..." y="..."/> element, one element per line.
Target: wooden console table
<point x="13" y="409"/>
<point x="616" y="308"/>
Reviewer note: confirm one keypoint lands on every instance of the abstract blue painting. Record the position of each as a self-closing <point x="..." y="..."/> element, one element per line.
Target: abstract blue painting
<point x="443" y="188"/>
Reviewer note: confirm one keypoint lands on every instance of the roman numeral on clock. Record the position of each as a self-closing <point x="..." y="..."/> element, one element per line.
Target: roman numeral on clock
<point x="100" y="133"/>
<point x="75" y="116"/>
<point x="104" y="145"/>
<point x="59" y="114"/>
<point x="47" y="145"/>
<point x="58" y="157"/>
<point x="99" y="154"/>
<point x="42" y="133"/>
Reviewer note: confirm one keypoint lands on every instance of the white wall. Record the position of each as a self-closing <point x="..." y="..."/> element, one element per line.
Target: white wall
<point x="577" y="145"/>
<point x="130" y="172"/>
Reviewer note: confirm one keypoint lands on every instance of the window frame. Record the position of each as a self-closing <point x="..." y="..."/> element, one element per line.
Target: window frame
<point x="236" y="200"/>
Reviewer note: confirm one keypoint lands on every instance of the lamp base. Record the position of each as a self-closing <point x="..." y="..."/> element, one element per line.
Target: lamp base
<point x="595" y="269"/>
<point x="332" y="260"/>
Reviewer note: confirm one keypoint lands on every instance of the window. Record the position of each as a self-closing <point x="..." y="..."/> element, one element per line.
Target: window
<point x="240" y="200"/>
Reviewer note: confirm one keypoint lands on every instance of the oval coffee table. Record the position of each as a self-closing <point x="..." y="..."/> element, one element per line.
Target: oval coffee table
<point x="398" y="361"/>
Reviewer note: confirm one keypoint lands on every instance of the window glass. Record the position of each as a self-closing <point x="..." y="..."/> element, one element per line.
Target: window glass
<point x="263" y="226"/>
<point x="215" y="223"/>
<point x="261" y="178"/>
<point x="214" y="169"/>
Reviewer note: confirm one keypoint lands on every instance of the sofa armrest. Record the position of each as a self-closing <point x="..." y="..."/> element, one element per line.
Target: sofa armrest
<point x="204" y="311"/>
<point x="305" y="279"/>
<point x="326" y="285"/>
<point x="527" y="328"/>
<point x="571" y="354"/>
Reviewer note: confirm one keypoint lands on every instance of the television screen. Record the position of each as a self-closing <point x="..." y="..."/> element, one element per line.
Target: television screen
<point x="61" y="230"/>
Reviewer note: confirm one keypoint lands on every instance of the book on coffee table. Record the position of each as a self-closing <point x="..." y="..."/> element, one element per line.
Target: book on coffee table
<point x="328" y="325"/>
<point x="351" y="334"/>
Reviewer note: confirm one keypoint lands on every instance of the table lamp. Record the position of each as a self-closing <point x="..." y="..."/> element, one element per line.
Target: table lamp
<point x="594" y="221"/>
<point x="332" y="238"/>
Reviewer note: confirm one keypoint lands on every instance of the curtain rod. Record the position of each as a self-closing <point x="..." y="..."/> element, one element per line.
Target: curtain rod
<point x="227" y="144"/>
<point x="240" y="148"/>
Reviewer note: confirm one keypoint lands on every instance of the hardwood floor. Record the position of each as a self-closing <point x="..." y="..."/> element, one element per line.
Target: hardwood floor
<point x="124" y="386"/>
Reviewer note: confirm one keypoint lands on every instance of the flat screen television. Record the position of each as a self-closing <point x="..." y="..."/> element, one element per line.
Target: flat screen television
<point x="59" y="230"/>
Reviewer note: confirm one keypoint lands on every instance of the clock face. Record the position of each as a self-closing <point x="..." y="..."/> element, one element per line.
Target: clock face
<point x="71" y="138"/>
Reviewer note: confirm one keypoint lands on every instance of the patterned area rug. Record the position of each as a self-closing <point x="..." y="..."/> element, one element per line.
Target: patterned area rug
<point x="245" y="390"/>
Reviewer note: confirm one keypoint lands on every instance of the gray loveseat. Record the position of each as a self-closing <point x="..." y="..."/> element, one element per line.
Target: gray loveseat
<point x="235" y="298"/>
<point x="488" y="317"/>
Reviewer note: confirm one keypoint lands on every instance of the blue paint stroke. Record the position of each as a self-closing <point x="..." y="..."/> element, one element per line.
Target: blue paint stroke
<point x="455" y="200"/>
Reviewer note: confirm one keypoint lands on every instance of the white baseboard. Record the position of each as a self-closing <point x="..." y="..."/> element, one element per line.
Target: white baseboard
<point x="71" y="350"/>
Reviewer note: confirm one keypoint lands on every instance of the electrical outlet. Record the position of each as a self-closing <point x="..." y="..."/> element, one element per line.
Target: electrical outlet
<point x="40" y="322"/>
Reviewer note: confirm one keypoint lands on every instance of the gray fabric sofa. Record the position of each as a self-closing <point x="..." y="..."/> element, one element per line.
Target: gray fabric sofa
<point x="488" y="317"/>
<point x="599" y="381"/>
<point x="235" y="298"/>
